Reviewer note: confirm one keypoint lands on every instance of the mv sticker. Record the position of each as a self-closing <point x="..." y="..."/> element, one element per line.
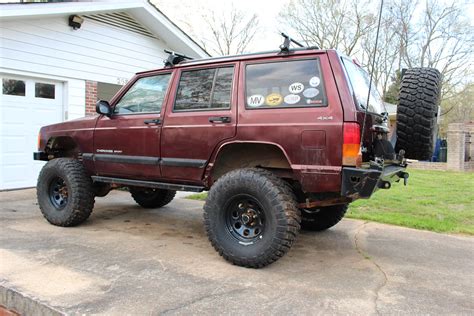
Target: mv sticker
<point x="255" y="100"/>
<point x="273" y="99"/>
<point x="292" y="99"/>
<point x="296" y="87"/>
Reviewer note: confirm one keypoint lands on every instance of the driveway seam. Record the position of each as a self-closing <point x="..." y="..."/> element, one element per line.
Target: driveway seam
<point x="197" y="300"/>
<point x="365" y="255"/>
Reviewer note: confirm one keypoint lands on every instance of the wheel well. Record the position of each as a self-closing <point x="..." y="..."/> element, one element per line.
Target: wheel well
<point x="248" y="155"/>
<point x="62" y="146"/>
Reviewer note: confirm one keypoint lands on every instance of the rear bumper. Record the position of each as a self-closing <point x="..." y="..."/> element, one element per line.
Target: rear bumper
<point x="360" y="183"/>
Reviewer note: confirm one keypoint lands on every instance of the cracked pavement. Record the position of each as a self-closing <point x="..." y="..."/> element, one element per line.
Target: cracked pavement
<point x="129" y="260"/>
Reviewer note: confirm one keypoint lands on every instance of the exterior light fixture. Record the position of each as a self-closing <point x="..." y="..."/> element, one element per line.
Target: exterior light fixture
<point x="75" y="21"/>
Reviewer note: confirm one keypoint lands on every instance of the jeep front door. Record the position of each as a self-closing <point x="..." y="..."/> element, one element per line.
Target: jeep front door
<point x="127" y="144"/>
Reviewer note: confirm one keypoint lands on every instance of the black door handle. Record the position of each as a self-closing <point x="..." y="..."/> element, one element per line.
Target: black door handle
<point x="222" y="119"/>
<point x="154" y="121"/>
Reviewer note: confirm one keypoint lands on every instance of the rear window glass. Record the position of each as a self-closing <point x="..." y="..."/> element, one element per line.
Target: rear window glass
<point x="204" y="89"/>
<point x="360" y="80"/>
<point x="297" y="83"/>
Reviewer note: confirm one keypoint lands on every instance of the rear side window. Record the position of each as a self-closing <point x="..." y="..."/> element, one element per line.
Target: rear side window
<point x="204" y="89"/>
<point x="297" y="83"/>
<point x="145" y="96"/>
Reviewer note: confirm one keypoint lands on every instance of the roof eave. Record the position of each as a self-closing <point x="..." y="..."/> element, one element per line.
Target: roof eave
<point x="38" y="10"/>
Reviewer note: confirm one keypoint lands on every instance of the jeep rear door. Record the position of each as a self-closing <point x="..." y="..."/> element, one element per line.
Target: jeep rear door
<point x="201" y="115"/>
<point x="127" y="144"/>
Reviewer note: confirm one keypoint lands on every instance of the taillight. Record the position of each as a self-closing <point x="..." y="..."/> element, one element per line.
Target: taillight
<point x="351" y="155"/>
<point x="39" y="141"/>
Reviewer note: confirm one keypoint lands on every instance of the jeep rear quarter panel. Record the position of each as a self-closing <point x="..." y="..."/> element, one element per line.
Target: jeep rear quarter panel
<point x="310" y="137"/>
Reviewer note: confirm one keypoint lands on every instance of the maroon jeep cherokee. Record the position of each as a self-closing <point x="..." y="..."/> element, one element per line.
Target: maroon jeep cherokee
<point x="275" y="137"/>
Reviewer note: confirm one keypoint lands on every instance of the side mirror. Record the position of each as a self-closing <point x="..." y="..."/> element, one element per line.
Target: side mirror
<point x="103" y="107"/>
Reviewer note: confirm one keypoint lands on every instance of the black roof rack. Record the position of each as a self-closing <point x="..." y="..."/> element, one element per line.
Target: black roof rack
<point x="175" y="58"/>
<point x="285" y="47"/>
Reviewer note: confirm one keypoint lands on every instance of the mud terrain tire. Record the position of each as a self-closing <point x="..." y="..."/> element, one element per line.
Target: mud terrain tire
<point x="417" y="112"/>
<point x="251" y="217"/>
<point x="152" y="198"/>
<point x="64" y="191"/>
<point x="322" y="218"/>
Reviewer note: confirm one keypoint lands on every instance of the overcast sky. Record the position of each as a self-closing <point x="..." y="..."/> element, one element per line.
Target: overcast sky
<point x="267" y="37"/>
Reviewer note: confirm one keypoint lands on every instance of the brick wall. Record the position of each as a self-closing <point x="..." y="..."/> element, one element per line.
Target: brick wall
<point x="456" y="146"/>
<point x="425" y="165"/>
<point x="91" y="97"/>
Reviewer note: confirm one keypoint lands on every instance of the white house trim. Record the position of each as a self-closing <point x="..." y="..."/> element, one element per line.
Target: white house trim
<point x="39" y="49"/>
<point x="142" y="10"/>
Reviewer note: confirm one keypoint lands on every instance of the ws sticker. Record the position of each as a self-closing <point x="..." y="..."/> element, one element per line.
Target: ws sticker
<point x="296" y="87"/>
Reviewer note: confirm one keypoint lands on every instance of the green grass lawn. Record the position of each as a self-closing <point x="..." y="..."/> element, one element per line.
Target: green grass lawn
<point x="439" y="201"/>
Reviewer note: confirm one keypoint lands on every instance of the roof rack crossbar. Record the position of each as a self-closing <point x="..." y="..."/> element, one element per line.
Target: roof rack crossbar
<point x="175" y="58"/>
<point x="285" y="47"/>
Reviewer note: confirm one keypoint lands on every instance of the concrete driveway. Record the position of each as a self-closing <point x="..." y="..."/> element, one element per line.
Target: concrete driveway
<point x="129" y="260"/>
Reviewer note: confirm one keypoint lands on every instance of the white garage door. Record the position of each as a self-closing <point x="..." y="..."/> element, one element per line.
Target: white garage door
<point x="26" y="104"/>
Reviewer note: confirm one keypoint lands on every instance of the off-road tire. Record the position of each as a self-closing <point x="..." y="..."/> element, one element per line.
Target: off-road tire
<point x="417" y="112"/>
<point x="275" y="200"/>
<point x="80" y="195"/>
<point x="322" y="218"/>
<point x="152" y="198"/>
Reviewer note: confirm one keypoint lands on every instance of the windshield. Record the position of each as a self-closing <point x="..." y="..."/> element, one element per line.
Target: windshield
<point x="359" y="80"/>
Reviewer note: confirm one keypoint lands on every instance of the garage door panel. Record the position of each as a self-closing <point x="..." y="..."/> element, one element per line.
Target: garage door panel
<point x="21" y="118"/>
<point x="14" y="174"/>
<point x="13" y="145"/>
<point x="15" y="114"/>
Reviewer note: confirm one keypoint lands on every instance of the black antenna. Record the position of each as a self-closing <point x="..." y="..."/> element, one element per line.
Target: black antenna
<point x="175" y="58"/>
<point x="371" y="74"/>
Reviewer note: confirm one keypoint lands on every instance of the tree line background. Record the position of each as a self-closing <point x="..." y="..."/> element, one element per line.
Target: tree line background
<point x="423" y="33"/>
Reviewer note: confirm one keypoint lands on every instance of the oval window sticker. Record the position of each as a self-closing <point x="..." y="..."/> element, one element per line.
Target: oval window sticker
<point x="255" y="100"/>
<point x="296" y="87"/>
<point x="314" y="81"/>
<point x="310" y="92"/>
<point x="274" y="99"/>
<point x="292" y="99"/>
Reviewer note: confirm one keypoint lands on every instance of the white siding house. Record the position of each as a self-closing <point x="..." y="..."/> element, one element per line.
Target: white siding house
<point x="52" y="72"/>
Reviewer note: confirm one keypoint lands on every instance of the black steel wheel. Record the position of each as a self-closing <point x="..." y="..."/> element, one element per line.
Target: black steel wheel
<point x="251" y="217"/>
<point x="58" y="193"/>
<point x="244" y="218"/>
<point x="65" y="193"/>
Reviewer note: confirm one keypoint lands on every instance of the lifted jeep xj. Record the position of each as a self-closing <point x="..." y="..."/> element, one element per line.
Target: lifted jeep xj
<point x="280" y="139"/>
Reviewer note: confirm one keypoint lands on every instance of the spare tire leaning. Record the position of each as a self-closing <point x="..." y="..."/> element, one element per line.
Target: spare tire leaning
<point x="417" y="112"/>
